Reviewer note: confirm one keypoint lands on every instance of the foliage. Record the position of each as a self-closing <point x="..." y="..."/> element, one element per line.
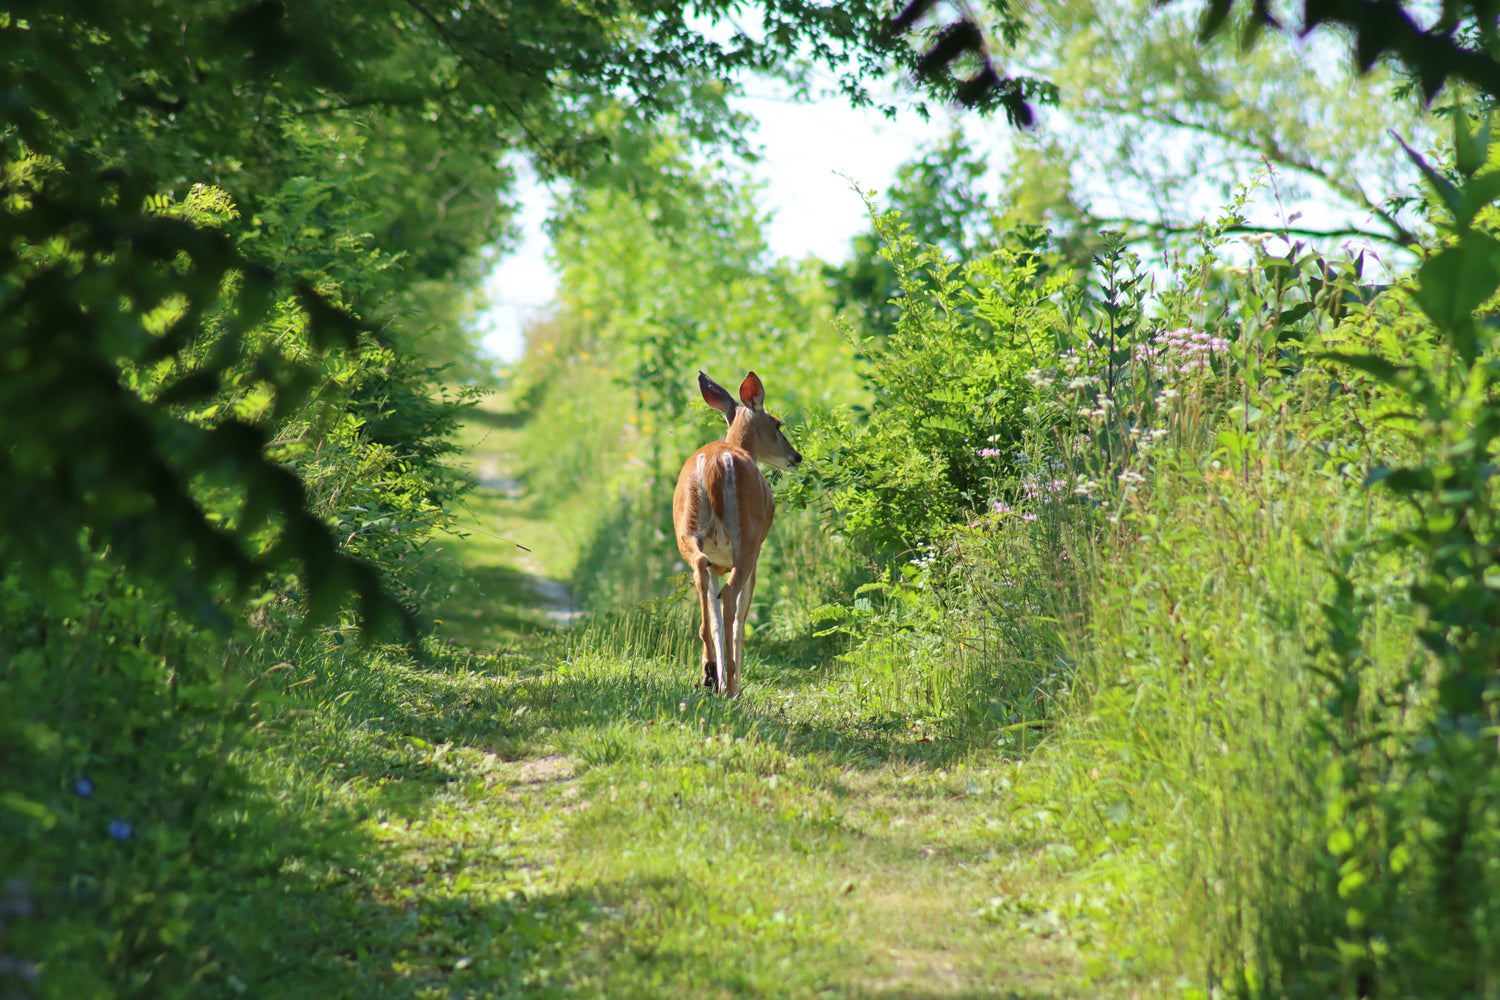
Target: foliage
<point x="98" y="89"/>
<point x="125" y="821"/>
<point x="1459" y="44"/>
<point x="1135" y="520"/>
<point x="1152" y="126"/>
<point x="652" y="289"/>
<point x="1411" y="820"/>
<point x="97" y="399"/>
<point x="948" y="387"/>
<point x="938" y="196"/>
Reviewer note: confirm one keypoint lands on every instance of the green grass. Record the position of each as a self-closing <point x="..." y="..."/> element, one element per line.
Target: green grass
<point x="507" y="541"/>
<point x="535" y="812"/>
<point x="528" y="810"/>
<point x="596" y="828"/>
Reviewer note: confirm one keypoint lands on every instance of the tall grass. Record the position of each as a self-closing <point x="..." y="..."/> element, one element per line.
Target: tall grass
<point x="1167" y="573"/>
<point x="1184" y="774"/>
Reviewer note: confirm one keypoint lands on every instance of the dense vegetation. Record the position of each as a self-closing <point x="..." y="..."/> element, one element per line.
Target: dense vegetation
<point x="1217" y="534"/>
<point x="1194" y="565"/>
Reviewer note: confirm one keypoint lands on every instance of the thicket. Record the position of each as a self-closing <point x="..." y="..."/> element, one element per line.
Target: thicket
<point x="238" y="245"/>
<point x="1218" y="538"/>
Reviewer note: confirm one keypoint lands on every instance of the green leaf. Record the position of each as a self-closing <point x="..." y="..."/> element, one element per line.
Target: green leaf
<point x="1296" y="312"/>
<point x="1377" y="366"/>
<point x="1471" y="150"/>
<point x="1214" y="16"/>
<point x="22" y="806"/>
<point x="1479" y="193"/>
<point x="1402" y="480"/>
<point x="1457" y="280"/>
<point x="1444" y="187"/>
<point x="946" y="424"/>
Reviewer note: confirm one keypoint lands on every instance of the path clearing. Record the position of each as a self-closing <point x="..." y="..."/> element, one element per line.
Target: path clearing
<point x="513" y="554"/>
<point x="572" y="822"/>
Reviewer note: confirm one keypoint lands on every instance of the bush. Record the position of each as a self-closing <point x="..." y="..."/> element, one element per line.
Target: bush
<point x="947" y="385"/>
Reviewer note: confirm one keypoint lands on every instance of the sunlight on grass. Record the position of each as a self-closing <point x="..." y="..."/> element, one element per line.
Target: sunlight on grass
<point x="573" y="815"/>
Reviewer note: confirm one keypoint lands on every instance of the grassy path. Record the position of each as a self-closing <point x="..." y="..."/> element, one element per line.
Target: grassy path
<point x="560" y="818"/>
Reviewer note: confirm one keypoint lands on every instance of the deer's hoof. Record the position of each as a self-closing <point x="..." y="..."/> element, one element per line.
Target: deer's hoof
<point x="711" y="675"/>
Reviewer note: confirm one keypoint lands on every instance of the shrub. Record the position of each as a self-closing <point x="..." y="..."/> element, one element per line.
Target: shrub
<point x="948" y="388"/>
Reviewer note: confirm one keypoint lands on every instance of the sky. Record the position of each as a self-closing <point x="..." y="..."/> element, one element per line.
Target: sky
<point x="805" y="147"/>
<point x="814" y="211"/>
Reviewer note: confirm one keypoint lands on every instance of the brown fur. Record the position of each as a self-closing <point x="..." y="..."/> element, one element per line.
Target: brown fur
<point x="720" y="531"/>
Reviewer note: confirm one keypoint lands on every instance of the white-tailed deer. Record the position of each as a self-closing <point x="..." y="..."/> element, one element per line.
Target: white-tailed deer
<point x="722" y="511"/>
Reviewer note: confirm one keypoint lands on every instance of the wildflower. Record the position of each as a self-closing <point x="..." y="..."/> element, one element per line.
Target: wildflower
<point x="120" y="829"/>
<point x="1000" y="507"/>
<point x="1035" y="489"/>
<point x="989" y="452"/>
<point x="83" y="788"/>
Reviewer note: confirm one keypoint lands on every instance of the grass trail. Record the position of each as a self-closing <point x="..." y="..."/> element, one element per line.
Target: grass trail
<point x="512" y="554"/>
<point x="556" y="816"/>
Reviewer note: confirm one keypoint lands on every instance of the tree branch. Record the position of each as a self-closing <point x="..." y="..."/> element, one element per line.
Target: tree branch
<point x="1382" y="26"/>
<point x="1147" y="229"/>
<point x="543" y="149"/>
<point x="1274" y="153"/>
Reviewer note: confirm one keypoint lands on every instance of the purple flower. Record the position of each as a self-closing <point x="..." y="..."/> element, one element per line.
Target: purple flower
<point x="1001" y="507"/>
<point x="120" y="829"/>
<point x="83" y="788"/>
<point x="989" y="452"/>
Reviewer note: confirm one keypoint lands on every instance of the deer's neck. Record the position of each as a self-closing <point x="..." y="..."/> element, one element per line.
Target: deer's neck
<point x="739" y="433"/>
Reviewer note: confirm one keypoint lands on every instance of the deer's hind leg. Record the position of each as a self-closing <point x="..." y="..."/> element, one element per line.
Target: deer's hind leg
<point x="741" y="616"/>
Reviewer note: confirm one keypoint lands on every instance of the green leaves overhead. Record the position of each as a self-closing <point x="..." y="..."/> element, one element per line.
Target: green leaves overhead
<point x="86" y="268"/>
<point x="1388" y="30"/>
<point x="149" y="361"/>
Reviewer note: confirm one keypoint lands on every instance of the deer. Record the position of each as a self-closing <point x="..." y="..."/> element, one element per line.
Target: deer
<point x="722" y="511"/>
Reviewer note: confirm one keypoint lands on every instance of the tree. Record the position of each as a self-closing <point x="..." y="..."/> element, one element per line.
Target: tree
<point x="1154" y="128"/>
<point x="938" y="195"/>
<point x="1460" y="43"/>
<point x="1424" y="47"/>
<point x="363" y="148"/>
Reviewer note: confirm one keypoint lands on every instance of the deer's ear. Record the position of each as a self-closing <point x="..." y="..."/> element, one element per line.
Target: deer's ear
<point x="717" y="396"/>
<point x="752" y="393"/>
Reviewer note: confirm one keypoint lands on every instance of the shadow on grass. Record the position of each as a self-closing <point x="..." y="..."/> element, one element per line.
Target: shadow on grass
<point x="494" y="600"/>
<point x="507" y="420"/>
<point x="349" y="917"/>
<point x="524" y="711"/>
<point x="333" y="939"/>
